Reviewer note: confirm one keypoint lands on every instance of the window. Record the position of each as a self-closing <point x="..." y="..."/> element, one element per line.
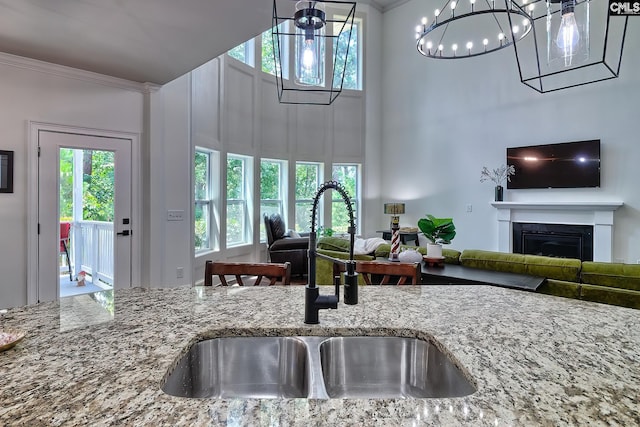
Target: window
<point x="243" y="53"/>
<point x="205" y="228"/>
<point x="239" y="179"/>
<point x="268" y="47"/>
<point x="308" y="180"/>
<point x="352" y="79"/>
<point x="349" y="176"/>
<point x="272" y="190"/>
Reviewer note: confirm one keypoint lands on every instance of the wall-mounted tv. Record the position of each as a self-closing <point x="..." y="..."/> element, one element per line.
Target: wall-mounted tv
<point x="565" y="165"/>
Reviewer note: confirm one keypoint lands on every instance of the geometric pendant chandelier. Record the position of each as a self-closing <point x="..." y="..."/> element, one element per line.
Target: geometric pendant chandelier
<point x="574" y="43"/>
<point x="319" y="41"/>
<point x="558" y="44"/>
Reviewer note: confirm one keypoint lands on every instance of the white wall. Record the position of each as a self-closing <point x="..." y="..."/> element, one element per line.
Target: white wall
<point x="443" y="120"/>
<point x="30" y="91"/>
<point x="373" y="218"/>
<point x="227" y="106"/>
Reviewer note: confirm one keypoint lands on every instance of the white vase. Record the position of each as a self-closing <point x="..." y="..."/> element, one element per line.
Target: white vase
<point x="434" y="250"/>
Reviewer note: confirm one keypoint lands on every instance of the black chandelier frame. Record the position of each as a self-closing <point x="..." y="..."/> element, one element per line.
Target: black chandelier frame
<point x="537" y="81"/>
<point x="510" y="7"/>
<point x="288" y="91"/>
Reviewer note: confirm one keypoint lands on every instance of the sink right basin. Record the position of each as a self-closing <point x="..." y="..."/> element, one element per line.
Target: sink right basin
<point x="389" y="367"/>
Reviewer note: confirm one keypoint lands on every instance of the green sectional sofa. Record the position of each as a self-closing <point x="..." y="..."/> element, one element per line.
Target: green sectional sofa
<point x="603" y="282"/>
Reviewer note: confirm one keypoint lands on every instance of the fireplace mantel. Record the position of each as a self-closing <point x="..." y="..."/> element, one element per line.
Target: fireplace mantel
<point x="599" y="214"/>
<point x="577" y="206"/>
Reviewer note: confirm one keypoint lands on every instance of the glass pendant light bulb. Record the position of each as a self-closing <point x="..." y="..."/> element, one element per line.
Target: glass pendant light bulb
<point x="308" y="57"/>
<point x="310" y="22"/>
<point x="568" y="36"/>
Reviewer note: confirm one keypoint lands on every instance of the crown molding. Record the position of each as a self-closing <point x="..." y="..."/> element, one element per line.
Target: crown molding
<point x="383" y="8"/>
<point x="74" y="73"/>
<point x="394" y="5"/>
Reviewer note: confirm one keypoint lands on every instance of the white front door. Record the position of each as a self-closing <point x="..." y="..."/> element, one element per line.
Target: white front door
<point x="118" y="228"/>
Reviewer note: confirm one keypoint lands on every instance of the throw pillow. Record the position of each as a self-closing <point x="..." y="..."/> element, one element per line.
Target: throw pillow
<point x="293" y="233"/>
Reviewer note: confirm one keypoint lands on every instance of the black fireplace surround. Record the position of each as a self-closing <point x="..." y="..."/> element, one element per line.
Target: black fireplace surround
<point x="555" y="240"/>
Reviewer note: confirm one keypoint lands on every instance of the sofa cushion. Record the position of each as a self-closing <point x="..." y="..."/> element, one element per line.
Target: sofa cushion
<point x="333" y="244"/>
<point x="560" y="288"/>
<point x="489" y="260"/>
<point x="609" y="295"/>
<point x="567" y="269"/>
<point x="623" y="276"/>
<point x="288" y="243"/>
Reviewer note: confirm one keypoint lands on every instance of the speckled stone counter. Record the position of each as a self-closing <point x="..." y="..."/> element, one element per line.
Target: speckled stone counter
<point x="536" y="359"/>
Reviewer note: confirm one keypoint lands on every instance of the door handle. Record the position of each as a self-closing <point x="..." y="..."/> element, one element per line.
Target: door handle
<point x="124" y="233"/>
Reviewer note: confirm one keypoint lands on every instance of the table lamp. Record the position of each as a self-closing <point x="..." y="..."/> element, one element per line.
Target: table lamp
<point x="394" y="209"/>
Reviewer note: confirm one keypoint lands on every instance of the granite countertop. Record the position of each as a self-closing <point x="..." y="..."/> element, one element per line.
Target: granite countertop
<point x="536" y="359"/>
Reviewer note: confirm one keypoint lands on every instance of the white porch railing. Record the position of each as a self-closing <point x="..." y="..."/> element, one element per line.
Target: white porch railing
<point x="92" y="247"/>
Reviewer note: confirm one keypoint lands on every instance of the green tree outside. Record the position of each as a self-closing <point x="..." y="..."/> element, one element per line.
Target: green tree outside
<point x="347" y="175"/>
<point x="238" y="52"/>
<point x="97" y="185"/>
<point x="307" y="184"/>
<point x="340" y="45"/>
<point x="201" y="184"/>
<point x="235" y="200"/>
<point x="270" y="191"/>
<point x="66" y="184"/>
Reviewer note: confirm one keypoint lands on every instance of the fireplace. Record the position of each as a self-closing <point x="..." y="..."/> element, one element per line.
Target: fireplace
<point x="556" y="240"/>
<point x="597" y="214"/>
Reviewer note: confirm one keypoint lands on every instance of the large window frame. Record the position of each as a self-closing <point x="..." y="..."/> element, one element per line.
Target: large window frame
<point x="239" y="170"/>
<point x="206" y="229"/>
<point x="357" y="52"/>
<point x="273" y="196"/>
<point x="305" y="189"/>
<point x="349" y="175"/>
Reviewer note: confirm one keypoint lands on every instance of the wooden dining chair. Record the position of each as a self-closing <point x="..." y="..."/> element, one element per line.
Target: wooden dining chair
<point x="405" y="273"/>
<point x="272" y="271"/>
<point x="65" y="229"/>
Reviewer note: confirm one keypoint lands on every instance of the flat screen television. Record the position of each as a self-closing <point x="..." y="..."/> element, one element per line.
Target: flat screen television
<point x="565" y="165"/>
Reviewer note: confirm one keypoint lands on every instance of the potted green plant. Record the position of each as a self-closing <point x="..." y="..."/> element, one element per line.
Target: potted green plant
<point x="438" y="231"/>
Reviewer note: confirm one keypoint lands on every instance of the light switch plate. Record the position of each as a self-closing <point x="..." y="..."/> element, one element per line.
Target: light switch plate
<point x="175" y="215"/>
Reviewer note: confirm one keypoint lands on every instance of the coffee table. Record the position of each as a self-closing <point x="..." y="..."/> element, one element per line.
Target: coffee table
<point x="452" y="274"/>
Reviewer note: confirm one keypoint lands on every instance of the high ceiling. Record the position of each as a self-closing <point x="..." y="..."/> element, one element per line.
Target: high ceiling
<point x="152" y="41"/>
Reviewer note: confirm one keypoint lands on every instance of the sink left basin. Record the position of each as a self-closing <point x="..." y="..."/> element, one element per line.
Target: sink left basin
<point x="242" y="367"/>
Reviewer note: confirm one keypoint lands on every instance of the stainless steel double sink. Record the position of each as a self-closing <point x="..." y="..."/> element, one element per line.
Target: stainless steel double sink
<point x="367" y="367"/>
